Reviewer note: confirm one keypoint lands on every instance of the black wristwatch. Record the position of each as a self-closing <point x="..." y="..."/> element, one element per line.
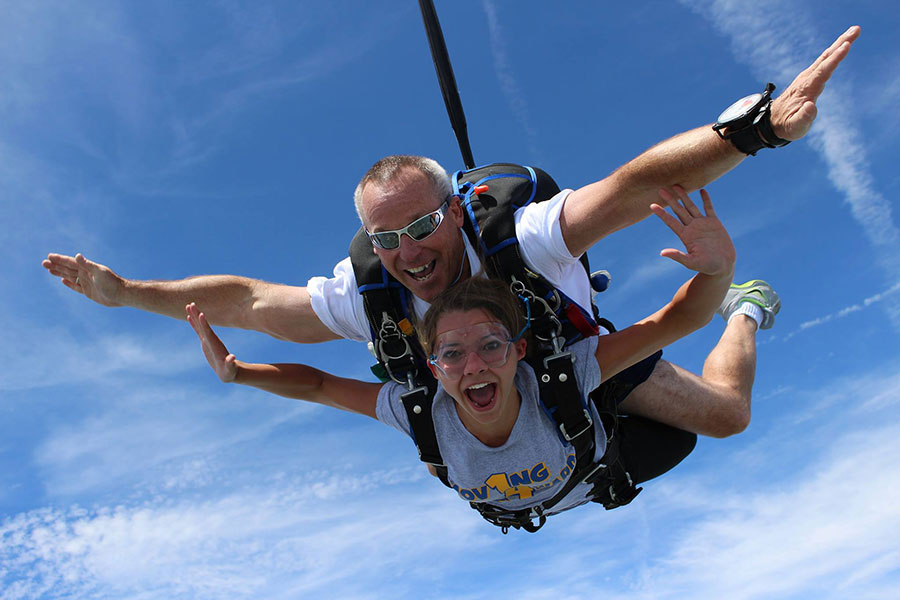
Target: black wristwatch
<point x="748" y="123"/>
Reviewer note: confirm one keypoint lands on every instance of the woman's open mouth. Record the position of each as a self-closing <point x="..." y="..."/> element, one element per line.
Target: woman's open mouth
<point x="482" y="396"/>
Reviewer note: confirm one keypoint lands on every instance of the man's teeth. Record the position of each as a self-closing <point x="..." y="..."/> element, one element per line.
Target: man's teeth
<point x="417" y="269"/>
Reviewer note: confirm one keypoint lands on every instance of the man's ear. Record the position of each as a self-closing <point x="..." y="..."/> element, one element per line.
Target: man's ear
<point x="456" y="210"/>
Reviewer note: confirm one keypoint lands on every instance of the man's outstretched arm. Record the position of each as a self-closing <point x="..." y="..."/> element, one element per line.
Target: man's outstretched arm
<point x="282" y="311"/>
<point x="690" y="160"/>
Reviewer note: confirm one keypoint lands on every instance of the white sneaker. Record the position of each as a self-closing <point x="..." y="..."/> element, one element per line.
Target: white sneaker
<point x="757" y="292"/>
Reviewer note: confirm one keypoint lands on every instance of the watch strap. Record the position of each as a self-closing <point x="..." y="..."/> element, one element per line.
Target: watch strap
<point x="750" y="135"/>
<point x="747" y="140"/>
<point x="766" y="131"/>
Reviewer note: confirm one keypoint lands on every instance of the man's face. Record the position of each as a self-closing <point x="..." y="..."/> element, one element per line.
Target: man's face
<point x="427" y="267"/>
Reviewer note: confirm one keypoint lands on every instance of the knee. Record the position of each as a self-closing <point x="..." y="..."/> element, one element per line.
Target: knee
<point x="732" y="421"/>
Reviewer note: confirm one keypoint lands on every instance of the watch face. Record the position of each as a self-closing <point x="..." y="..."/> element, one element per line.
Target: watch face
<point x="740" y="108"/>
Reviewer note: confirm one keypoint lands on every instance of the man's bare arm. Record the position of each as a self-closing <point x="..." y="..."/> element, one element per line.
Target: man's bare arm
<point x="282" y="311"/>
<point x="690" y="160"/>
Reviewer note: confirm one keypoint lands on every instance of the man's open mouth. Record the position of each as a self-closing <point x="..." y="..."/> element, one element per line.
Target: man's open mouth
<point x="422" y="273"/>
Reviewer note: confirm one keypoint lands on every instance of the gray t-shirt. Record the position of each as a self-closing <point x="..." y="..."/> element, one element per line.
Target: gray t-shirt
<point x="533" y="464"/>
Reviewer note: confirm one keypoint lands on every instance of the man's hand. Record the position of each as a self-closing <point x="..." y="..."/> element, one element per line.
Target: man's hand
<point x="794" y="111"/>
<point x="217" y="355"/>
<point x="97" y="282"/>
<point x="709" y="247"/>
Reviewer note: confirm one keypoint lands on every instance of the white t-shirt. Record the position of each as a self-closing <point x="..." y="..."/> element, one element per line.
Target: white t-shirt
<point x="339" y="305"/>
<point x="531" y="466"/>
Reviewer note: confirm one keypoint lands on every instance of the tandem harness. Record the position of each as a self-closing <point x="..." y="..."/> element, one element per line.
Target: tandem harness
<point x="555" y="320"/>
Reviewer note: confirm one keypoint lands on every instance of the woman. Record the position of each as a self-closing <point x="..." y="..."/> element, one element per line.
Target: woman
<point x="499" y="447"/>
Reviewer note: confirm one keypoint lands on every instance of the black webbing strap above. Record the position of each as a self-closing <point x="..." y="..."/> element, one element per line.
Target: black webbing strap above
<point x="561" y="398"/>
<point x="397" y="348"/>
<point x="418" y="403"/>
<point x="386" y="303"/>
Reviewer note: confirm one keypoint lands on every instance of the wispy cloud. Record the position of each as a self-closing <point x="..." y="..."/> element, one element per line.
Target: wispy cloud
<point x="801" y="537"/>
<point x="64" y="66"/>
<point x="163" y="436"/>
<point x="853" y="308"/>
<point x="41" y="356"/>
<point x="278" y="541"/>
<point x="776" y="40"/>
<point x="827" y="528"/>
<point x="508" y="84"/>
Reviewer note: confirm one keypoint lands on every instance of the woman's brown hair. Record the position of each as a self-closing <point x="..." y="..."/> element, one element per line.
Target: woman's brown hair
<point x="490" y="295"/>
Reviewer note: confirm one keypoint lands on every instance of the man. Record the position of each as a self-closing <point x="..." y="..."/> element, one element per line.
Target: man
<point x="717" y="404"/>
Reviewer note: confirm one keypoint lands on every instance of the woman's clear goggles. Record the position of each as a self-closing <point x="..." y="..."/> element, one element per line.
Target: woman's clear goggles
<point x="418" y="230"/>
<point x="490" y="341"/>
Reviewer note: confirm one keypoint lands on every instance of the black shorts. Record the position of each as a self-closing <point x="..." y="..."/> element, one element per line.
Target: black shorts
<point x="634" y="376"/>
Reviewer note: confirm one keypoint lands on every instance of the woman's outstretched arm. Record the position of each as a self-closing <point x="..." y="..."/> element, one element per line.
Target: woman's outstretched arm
<point x="297" y="381"/>
<point x="708" y="250"/>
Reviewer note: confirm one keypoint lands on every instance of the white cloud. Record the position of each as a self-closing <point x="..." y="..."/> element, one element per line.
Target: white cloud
<point x="279" y="541"/>
<point x="746" y="526"/>
<point x="810" y="536"/>
<point x="827" y="528"/>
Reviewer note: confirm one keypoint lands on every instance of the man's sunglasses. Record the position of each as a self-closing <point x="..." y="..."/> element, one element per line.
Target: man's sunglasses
<point x="418" y="230"/>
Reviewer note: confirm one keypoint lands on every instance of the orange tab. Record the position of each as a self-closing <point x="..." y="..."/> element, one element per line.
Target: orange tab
<point x="405" y="326"/>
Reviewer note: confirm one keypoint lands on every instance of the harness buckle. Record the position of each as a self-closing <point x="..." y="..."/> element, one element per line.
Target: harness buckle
<point x="597" y="467"/>
<point x="410" y="371"/>
<point x="556" y="356"/>
<point x="570" y="437"/>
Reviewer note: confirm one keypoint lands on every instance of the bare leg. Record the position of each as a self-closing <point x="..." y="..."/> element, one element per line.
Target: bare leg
<point x="717" y="404"/>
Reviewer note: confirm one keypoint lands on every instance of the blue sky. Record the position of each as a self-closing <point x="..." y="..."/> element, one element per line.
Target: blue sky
<point x="169" y="139"/>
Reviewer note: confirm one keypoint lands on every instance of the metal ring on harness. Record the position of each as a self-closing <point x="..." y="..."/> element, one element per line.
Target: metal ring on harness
<point x="520" y="289"/>
<point x="383" y="352"/>
<point x="390" y="334"/>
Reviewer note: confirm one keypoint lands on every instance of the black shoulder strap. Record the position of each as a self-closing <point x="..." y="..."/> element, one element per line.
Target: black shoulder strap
<point x="386" y="303"/>
<point x="490" y="227"/>
<point x="396" y="346"/>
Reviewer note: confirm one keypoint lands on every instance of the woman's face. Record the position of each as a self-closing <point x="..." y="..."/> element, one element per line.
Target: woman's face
<point x="475" y="361"/>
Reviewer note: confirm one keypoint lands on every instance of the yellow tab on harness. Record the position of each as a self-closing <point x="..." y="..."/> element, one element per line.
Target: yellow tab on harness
<point x="405" y="326"/>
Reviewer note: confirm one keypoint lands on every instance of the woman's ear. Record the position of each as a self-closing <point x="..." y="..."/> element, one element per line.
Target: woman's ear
<point x="433" y="369"/>
<point x="520" y="345"/>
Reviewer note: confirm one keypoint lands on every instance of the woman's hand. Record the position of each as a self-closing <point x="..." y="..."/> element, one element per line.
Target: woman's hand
<point x="708" y="246"/>
<point x="222" y="362"/>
